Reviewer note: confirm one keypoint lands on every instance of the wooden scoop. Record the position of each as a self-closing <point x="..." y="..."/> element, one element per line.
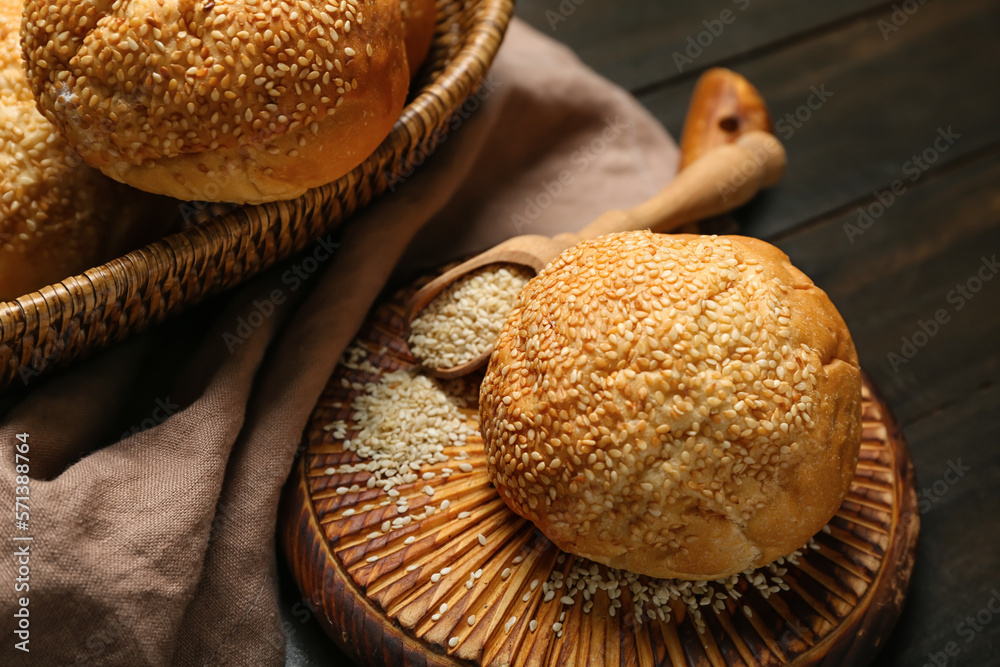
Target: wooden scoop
<point x="727" y="156"/>
<point x="724" y="106"/>
<point x="724" y="178"/>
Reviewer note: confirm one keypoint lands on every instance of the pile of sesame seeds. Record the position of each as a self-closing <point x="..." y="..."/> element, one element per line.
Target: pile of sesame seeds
<point x="461" y="323"/>
<point x="403" y="421"/>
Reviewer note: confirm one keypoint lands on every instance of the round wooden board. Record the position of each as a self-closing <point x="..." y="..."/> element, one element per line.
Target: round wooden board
<point x="381" y="595"/>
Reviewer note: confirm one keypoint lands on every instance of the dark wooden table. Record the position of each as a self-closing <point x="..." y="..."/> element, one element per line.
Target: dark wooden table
<point x="890" y="112"/>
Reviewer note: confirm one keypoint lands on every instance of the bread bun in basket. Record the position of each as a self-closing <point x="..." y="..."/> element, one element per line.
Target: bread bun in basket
<point x="219" y="100"/>
<point x="57" y="215"/>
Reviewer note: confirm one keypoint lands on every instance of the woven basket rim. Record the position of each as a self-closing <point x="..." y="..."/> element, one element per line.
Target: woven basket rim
<point x="129" y="275"/>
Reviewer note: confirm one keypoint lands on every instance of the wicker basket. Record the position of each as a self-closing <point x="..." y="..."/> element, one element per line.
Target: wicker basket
<point x="47" y="329"/>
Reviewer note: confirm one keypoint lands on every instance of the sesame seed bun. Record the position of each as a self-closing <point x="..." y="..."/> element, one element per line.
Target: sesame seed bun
<point x="677" y="406"/>
<point x="219" y="100"/>
<point x="57" y="215"/>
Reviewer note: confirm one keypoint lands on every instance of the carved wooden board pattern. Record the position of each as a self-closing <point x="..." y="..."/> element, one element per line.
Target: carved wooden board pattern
<point x="375" y="594"/>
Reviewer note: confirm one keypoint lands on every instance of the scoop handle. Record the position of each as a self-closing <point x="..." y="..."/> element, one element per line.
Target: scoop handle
<point x="722" y="179"/>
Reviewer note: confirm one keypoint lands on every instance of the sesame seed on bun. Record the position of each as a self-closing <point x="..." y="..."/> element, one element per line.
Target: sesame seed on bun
<point x="219" y="100"/>
<point x="57" y="215"/>
<point x="677" y="406"/>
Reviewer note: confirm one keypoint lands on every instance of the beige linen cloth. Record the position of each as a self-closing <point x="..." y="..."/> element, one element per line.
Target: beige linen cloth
<point x="157" y="546"/>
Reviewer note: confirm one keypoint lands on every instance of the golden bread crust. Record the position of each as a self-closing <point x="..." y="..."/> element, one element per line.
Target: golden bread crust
<point x="225" y="100"/>
<point x="677" y="406"/>
<point x="57" y="215"/>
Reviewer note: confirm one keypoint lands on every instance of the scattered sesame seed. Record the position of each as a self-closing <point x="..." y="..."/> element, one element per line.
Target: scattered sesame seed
<point x="406" y="420"/>
<point x="472" y="620"/>
<point x="482" y="539"/>
<point x="651" y="597"/>
<point x="453" y="642"/>
<point x="371" y="559"/>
